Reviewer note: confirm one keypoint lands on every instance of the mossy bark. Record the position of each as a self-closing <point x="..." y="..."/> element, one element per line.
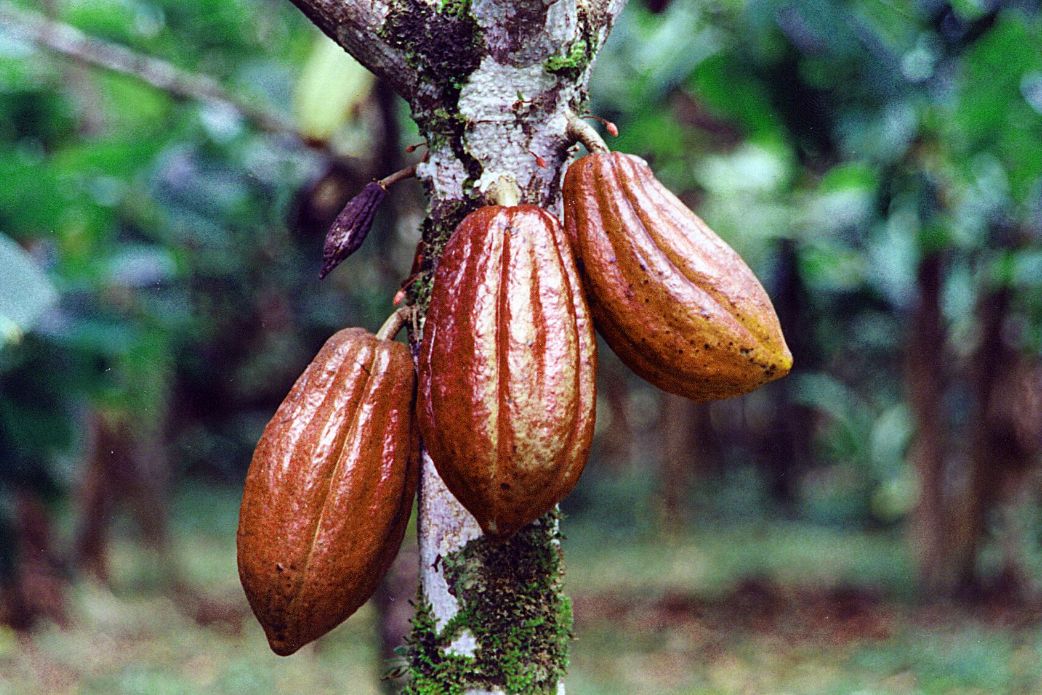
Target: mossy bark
<point x="490" y="84"/>
<point x="512" y="624"/>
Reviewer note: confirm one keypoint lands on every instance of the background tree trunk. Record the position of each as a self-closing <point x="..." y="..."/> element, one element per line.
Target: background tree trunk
<point x="490" y="85"/>
<point x="924" y="374"/>
<point x="33" y="586"/>
<point x="788" y="448"/>
<point x="679" y="457"/>
<point x="122" y="465"/>
<point x="1005" y="440"/>
<point x="989" y="450"/>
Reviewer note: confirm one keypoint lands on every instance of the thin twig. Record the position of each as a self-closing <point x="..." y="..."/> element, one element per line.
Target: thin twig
<point x="70" y="41"/>
<point x="400" y="175"/>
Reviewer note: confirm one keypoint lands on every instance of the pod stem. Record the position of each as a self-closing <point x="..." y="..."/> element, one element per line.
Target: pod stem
<point x="391" y="179"/>
<point x="581" y="131"/>
<point x="394" y="323"/>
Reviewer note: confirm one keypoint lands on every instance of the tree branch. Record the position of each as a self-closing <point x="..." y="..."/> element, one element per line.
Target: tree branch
<point x="70" y="41"/>
<point x="357" y="26"/>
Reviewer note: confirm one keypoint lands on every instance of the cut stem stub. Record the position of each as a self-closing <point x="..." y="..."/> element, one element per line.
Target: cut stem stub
<point x="504" y="191"/>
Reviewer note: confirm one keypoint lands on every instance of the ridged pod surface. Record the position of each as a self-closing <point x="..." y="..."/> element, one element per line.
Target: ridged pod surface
<point x="507" y="365"/>
<point x="330" y="488"/>
<point x="673" y="300"/>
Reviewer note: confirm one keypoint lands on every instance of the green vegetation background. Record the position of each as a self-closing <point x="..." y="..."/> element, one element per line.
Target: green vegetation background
<point x="179" y="248"/>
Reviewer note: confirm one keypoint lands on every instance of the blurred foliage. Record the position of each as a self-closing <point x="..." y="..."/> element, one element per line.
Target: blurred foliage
<point x="868" y="133"/>
<point x="25" y="292"/>
<point x="186" y="302"/>
<point x="175" y="240"/>
<point x="159" y="262"/>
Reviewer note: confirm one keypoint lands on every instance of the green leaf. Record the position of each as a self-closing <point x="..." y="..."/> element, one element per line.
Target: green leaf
<point x="25" y="292"/>
<point x="731" y="92"/>
<point x="330" y="87"/>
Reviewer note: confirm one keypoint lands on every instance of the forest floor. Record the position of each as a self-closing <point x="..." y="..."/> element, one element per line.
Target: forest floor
<point x="748" y="609"/>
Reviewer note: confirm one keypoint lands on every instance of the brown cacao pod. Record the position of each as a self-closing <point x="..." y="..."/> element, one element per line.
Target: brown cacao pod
<point x="506" y="387"/>
<point x="330" y="488"/>
<point x="673" y="300"/>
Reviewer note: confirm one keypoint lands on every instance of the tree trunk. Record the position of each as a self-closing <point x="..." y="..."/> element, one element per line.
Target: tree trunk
<point x="689" y="453"/>
<point x="788" y="448"/>
<point x="1004" y="441"/>
<point x="96" y="499"/>
<point x="122" y="466"/>
<point x="985" y="462"/>
<point x="924" y="374"/>
<point x="490" y="84"/>
<point x="33" y="585"/>
<point x="679" y="454"/>
<point x="615" y="443"/>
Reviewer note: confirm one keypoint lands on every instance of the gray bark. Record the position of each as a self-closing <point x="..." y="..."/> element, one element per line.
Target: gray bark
<point x="490" y="84"/>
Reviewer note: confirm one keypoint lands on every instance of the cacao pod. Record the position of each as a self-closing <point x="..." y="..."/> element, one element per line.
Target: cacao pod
<point x="330" y="488"/>
<point x="506" y="385"/>
<point x="673" y="300"/>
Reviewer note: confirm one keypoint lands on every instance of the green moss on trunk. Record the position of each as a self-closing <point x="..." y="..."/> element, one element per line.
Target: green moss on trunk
<point x="511" y="602"/>
<point x="573" y="62"/>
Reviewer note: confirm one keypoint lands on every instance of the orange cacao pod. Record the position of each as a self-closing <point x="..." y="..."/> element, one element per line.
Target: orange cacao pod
<point x="673" y="300"/>
<point x="330" y="488"/>
<point x="506" y="387"/>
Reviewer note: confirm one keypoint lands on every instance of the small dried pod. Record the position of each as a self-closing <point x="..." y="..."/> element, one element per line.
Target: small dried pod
<point x="506" y="369"/>
<point x="330" y="488"/>
<point x="351" y="226"/>
<point x="677" y="304"/>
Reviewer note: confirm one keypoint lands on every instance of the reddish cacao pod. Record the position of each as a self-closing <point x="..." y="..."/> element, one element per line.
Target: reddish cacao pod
<point x="673" y="300"/>
<point x="330" y="488"/>
<point x="506" y="387"/>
